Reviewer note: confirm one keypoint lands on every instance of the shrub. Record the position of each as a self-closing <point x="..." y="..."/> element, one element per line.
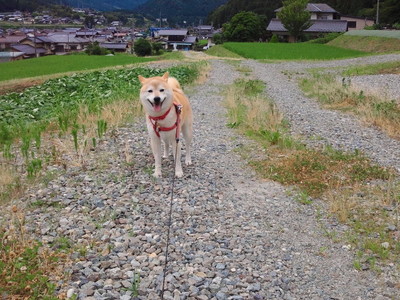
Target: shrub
<point x="374" y="27"/>
<point x="274" y="39"/>
<point x="218" y="38"/>
<point x="396" y="26"/>
<point x="157" y="47"/>
<point x="95" y="49"/>
<point x="326" y="38"/>
<point x="142" y="47"/>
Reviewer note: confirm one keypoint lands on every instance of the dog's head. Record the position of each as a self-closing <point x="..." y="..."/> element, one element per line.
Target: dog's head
<point x="156" y="94"/>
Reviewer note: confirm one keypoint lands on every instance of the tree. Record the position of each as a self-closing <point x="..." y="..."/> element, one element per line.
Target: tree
<point x="142" y="47"/>
<point x="244" y="27"/>
<point x="294" y="17"/>
<point x="157" y="47"/>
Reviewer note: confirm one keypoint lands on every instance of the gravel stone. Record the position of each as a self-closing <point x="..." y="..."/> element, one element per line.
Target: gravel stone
<point x="233" y="236"/>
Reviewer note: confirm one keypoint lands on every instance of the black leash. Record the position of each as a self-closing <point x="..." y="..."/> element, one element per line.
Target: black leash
<point x="169" y="221"/>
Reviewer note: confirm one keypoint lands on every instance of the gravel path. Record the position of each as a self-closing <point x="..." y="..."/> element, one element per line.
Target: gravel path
<point x="386" y="85"/>
<point x="234" y="236"/>
<point x="320" y="126"/>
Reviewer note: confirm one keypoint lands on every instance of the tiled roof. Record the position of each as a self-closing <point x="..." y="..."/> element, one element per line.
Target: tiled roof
<point x="65" y="38"/>
<point x="190" y="39"/>
<point x="27" y="49"/>
<point x="317" y="26"/>
<point x="11" y="39"/>
<point x="172" y="32"/>
<point x="114" y="45"/>
<point x="317" y="7"/>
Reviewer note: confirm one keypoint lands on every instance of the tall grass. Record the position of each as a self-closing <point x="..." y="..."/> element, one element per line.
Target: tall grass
<point x="290" y="51"/>
<point x="370" y="44"/>
<point x="371" y="109"/>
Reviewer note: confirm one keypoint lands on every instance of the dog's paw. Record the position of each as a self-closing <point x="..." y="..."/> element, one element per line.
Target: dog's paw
<point x="157" y="174"/>
<point x="188" y="162"/>
<point x="179" y="174"/>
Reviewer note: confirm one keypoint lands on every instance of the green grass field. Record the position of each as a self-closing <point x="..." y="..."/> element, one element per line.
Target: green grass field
<point x="394" y="34"/>
<point x="292" y="51"/>
<point x="371" y="44"/>
<point x="54" y="64"/>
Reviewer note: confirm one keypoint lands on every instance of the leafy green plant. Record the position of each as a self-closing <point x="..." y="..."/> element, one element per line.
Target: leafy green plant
<point x="33" y="167"/>
<point x="101" y="128"/>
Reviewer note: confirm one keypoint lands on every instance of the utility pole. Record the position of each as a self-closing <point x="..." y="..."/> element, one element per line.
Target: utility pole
<point x="377" y="12"/>
<point x="34" y="41"/>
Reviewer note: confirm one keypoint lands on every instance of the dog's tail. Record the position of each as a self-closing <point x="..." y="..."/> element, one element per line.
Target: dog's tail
<point x="174" y="84"/>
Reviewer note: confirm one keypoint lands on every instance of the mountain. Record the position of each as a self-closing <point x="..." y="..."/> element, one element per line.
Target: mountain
<point x="24" y="5"/>
<point x="178" y="11"/>
<point x="104" y="5"/>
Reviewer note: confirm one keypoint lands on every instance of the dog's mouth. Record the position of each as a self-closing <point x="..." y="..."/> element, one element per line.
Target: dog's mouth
<point x="156" y="105"/>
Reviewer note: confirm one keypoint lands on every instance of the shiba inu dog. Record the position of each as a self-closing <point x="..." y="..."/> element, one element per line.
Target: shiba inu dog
<point x="168" y="112"/>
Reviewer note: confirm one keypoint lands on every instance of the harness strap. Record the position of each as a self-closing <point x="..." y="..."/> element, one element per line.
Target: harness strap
<point x="156" y="126"/>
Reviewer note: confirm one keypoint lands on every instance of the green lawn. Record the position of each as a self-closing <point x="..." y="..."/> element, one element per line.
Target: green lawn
<point x="291" y="51"/>
<point x="54" y="64"/>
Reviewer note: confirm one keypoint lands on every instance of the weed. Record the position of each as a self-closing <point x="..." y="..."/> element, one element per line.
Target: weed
<point x="303" y="198"/>
<point x="134" y="288"/>
<point x="25" y="264"/>
<point x="33" y="167"/>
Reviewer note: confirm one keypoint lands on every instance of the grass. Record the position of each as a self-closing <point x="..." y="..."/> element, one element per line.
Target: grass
<point x="371" y="109"/>
<point x="357" y="191"/>
<point x="54" y="64"/>
<point x="374" y="69"/>
<point x="370" y="44"/>
<point x="221" y="51"/>
<point x="394" y="34"/>
<point x="28" y="270"/>
<point x="290" y="51"/>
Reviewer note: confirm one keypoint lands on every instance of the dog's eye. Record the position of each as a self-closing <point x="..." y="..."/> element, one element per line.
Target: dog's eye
<point x="150" y="91"/>
<point x="162" y="90"/>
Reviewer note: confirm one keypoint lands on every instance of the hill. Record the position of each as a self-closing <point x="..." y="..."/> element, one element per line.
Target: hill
<point x="372" y="43"/>
<point x="105" y="5"/>
<point x="176" y="11"/>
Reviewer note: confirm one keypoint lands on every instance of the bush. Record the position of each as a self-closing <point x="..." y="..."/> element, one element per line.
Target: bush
<point x="157" y="47"/>
<point x="142" y="47"/>
<point x="396" y="26"/>
<point x="374" y="27"/>
<point x="95" y="49"/>
<point x="274" y="39"/>
<point x="326" y="38"/>
<point x="218" y="38"/>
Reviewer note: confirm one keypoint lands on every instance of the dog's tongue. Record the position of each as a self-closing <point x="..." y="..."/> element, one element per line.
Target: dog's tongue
<point x="157" y="107"/>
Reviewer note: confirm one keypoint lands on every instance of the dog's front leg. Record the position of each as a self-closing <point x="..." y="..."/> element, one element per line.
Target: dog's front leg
<point x="166" y="149"/>
<point x="177" y="156"/>
<point x="156" y="148"/>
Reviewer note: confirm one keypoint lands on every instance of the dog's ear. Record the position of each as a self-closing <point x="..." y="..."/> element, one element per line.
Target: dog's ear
<point x="165" y="76"/>
<point x="141" y="79"/>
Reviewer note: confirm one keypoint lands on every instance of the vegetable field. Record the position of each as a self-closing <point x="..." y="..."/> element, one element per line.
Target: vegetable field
<point x="78" y="109"/>
<point x="67" y="63"/>
<point x="290" y="51"/>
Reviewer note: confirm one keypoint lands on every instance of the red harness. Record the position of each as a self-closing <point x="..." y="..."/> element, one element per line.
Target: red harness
<point x="156" y="126"/>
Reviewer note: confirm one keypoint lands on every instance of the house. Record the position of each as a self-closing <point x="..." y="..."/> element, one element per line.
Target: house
<point x="39" y="42"/>
<point x="324" y="19"/>
<point x="11" y="56"/>
<point x="204" y="31"/>
<point x="175" y="39"/>
<point x="66" y="41"/>
<point x="357" y="23"/>
<point x="29" y="51"/>
<point x="8" y="40"/>
<point x="115" y="47"/>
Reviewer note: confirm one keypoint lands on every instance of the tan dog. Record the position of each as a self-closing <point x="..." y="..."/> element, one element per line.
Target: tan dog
<point x="167" y="110"/>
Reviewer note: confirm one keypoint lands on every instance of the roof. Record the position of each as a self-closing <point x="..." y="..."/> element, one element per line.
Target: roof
<point x="62" y="37"/>
<point x="316" y="7"/>
<point x="27" y="49"/>
<point x="114" y="45"/>
<point x="190" y="39"/>
<point x="10" y="54"/>
<point x="11" y="39"/>
<point x="317" y="26"/>
<point x="205" y="27"/>
<point x="172" y="32"/>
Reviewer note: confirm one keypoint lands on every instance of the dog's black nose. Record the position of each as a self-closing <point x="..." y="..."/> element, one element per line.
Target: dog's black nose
<point x="157" y="100"/>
